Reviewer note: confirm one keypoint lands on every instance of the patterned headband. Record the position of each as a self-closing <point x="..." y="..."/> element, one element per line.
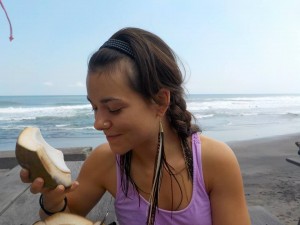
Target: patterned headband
<point x="118" y="45"/>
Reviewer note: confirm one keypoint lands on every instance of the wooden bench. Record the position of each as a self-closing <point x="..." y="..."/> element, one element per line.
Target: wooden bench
<point x="19" y="206"/>
<point x="294" y="160"/>
<point x="297" y="143"/>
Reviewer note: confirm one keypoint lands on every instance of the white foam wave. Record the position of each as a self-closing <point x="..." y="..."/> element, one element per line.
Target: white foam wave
<point x="79" y="128"/>
<point x="246" y="105"/>
<point x="62" y="125"/>
<point x="200" y="116"/>
<point x="31" y="113"/>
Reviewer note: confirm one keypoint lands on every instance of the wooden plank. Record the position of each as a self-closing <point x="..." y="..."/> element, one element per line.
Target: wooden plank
<point x="25" y="205"/>
<point x="260" y="216"/>
<point x="294" y="160"/>
<point x="11" y="188"/>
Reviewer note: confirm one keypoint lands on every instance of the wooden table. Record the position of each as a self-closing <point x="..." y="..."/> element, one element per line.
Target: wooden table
<point x="19" y="206"/>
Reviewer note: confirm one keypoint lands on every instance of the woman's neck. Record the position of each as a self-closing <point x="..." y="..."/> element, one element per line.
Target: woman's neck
<point x="172" y="147"/>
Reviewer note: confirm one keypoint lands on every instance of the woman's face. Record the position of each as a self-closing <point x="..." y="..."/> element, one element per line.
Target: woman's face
<point x="127" y="120"/>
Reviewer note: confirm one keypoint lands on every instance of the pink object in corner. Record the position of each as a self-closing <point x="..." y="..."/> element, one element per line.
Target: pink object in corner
<point x="11" y="31"/>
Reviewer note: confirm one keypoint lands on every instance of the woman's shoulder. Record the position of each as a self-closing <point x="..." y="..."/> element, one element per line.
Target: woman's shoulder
<point x="218" y="160"/>
<point x="100" y="161"/>
<point x="101" y="156"/>
<point x="102" y="150"/>
<point x="212" y="147"/>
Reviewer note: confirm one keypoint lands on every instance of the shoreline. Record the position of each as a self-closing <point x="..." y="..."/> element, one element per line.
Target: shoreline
<point x="269" y="180"/>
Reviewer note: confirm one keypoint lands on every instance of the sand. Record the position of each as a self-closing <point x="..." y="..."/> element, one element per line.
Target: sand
<point x="269" y="180"/>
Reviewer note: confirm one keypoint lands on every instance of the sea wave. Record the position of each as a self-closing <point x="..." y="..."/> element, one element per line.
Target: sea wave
<point x="35" y="113"/>
<point x="72" y="117"/>
<point x="44" y="109"/>
<point x="244" y="103"/>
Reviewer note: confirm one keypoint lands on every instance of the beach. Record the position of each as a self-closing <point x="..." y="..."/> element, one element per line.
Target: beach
<point x="269" y="180"/>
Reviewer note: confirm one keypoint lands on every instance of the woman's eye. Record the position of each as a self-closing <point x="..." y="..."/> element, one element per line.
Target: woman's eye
<point x="115" y="110"/>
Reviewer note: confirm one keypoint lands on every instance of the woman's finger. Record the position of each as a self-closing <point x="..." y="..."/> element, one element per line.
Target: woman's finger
<point x="37" y="186"/>
<point x="24" y="175"/>
<point x="73" y="187"/>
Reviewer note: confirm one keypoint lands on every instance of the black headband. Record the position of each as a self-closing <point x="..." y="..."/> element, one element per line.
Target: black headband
<point x="118" y="45"/>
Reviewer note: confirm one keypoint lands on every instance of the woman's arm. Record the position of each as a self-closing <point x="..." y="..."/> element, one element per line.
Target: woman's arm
<point x="224" y="183"/>
<point x="96" y="176"/>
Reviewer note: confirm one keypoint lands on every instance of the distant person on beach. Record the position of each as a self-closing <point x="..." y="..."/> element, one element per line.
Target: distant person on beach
<point x="157" y="165"/>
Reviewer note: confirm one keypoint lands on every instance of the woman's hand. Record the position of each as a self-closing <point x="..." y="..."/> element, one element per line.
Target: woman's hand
<point x="53" y="199"/>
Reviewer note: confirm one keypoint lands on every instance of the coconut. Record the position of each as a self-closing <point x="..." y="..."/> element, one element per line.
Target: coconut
<point x="66" y="219"/>
<point x="42" y="160"/>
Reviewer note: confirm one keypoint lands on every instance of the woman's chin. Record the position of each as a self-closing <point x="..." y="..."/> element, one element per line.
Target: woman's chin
<point x="117" y="149"/>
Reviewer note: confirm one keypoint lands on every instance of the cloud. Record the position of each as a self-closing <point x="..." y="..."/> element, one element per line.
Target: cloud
<point x="77" y="84"/>
<point x="48" y="83"/>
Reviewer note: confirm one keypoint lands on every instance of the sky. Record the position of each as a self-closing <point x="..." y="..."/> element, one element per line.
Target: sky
<point x="227" y="47"/>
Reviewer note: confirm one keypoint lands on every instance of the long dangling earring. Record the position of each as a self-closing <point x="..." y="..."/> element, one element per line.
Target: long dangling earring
<point x="157" y="177"/>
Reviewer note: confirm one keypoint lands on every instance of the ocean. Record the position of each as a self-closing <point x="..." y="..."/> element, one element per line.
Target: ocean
<point x="67" y="121"/>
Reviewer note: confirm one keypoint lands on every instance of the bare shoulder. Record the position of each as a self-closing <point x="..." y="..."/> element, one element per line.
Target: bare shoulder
<point x="223" y="182"/>
<point x="218" y="161"/>
<point x="100" y="161"/>
<point x="215" y="150"/>
<point x="101" y="155"/>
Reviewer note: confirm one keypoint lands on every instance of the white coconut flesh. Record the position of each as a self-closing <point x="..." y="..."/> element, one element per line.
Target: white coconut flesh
<point x="33" y="140"/>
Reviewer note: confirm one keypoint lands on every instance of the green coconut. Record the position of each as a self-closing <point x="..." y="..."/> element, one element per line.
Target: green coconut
<point x="42" y="160"/>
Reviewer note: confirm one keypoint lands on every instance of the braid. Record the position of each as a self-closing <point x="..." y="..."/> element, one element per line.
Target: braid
<point x="179" y="117"/>
<point x="180" y="120"/>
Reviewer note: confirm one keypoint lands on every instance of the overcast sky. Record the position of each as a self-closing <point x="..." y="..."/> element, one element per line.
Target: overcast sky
<point x="235" y="46"/>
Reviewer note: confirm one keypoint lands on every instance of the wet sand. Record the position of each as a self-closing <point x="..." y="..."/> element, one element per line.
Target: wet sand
<point x="269" y="180"/>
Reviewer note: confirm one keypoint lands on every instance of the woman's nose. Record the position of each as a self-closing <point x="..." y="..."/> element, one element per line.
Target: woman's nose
<point x="100" y="122"/>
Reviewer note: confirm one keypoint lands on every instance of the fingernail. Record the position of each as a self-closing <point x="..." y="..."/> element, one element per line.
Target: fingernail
<point x="61" y="187"/>
<point x="39" y="180"/>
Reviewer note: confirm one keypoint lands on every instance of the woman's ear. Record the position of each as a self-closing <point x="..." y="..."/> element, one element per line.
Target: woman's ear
<point x="162" y="99"/>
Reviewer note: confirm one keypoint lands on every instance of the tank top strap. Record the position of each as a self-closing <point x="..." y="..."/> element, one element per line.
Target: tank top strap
<point x="197" y="161"/>
<point x="118" y="175"/>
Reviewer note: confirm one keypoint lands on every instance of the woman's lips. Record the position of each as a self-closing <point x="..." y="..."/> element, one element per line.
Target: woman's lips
<point x="111" y="137"/>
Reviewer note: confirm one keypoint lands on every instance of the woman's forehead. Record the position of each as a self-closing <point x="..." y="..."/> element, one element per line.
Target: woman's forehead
<point x="121" y="66"/>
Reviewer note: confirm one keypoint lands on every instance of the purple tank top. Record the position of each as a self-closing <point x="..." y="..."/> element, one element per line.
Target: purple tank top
<point x="130" y="210"/>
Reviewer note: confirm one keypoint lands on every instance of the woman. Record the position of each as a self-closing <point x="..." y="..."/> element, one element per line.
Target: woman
<point x="156" y="164"/>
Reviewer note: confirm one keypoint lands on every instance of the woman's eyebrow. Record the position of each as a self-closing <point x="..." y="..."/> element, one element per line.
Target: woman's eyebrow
<point x="109" y="99"/>
<point x="104" y="100"/>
